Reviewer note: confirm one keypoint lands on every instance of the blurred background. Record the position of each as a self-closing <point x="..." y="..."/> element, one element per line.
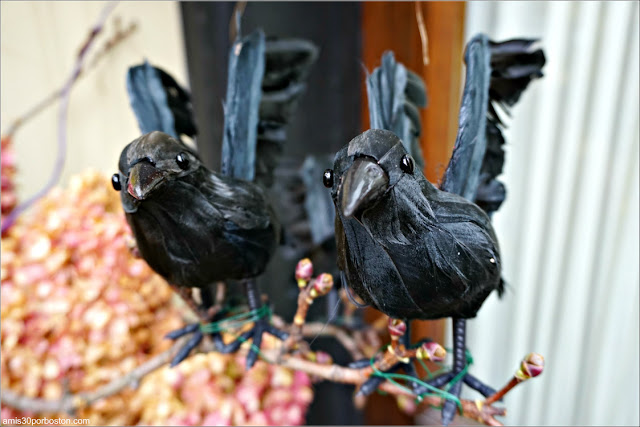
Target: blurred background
<point x="568" y="230"/>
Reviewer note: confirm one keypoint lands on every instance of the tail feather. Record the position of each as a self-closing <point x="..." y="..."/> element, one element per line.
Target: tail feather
<point x="159" y="102"/>
<point x="287" y="61"/>
<point x="287" y="66"/>
<point x="246" y="69"/>
<point x="179" y="101"/>
<point x="306" y="209"/>
<point x="497" y="75"/>
<point x="395" y="96"/>
<point x="513" y="67"/>
<point x="266" y="80"/>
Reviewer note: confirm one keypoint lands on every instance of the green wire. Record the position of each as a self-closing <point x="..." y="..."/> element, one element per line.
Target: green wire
<point x="236" y="321"/>
<point x="255" y="348"/>
<point x="430" y="374"/>
<point x="391" y="377"/>
<point x="239" y="320"/>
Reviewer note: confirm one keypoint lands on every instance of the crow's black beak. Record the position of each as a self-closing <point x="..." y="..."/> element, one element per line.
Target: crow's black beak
<point x="362" y="184"/>
<point x="143" y="178"/>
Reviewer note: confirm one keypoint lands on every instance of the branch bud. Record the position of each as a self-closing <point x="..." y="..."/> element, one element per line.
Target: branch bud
<point x="322" y="285"/>
<point x="531" y="366"/>
<point x="304" y="271"/>
<point x="431" y="351"/>
<point x="397" y="327"/>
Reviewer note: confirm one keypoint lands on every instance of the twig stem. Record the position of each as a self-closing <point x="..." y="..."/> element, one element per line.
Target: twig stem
<point x="504" y="390"/>
<point x="62" y="119"/>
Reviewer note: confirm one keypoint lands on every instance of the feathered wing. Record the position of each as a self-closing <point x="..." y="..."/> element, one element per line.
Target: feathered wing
<point x="287" y="66"/>
<point x="245" y="72"/>
<point x="395" y="95"/>
<point x="287" y="63"/>
<point x="304" y="206"/>
<point x="426" y="236"/>
<point x="496" y="76"/>
<point x="266" y="79"/>
<point x="159" y="102"/>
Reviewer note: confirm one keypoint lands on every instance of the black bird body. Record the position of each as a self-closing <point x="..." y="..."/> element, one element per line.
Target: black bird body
<point x="194" y="226"/>
<point x="415" y="252"/>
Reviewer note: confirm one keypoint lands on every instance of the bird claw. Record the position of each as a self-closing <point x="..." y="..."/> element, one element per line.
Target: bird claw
<point x="478" y="386"/>
<point x="468" y="379"/>
<point x="359" y="364"/>
<point x="189" y="329"/>
<point x="260" y="327"/>
<point x="449" y="408"/>
<point x="192" y="343"/>
<point x="374" y="381"/>
<point x="370" y="385"/>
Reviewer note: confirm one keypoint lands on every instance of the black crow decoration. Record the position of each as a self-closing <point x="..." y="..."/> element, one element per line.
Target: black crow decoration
<point x="196" y="227"/>
<point x="408" y="248"/>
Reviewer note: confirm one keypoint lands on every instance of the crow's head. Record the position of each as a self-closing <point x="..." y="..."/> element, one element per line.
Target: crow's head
<point x="365" y="169"/>
<point x="148" y="163"/>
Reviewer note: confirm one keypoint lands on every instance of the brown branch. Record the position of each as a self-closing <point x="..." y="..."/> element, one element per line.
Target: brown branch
<point x="472" y="409"/>
<point x="424" y="38"/>
<point x="195" y="305"/>
<point x="305" y="361"/>
<point x="107" y="48"/>
<point x="335" y="373"/>
<point x="72" y="402"/>
<point x="62" y="120"/>
<point x="340" y="334"/>
<point x="476" y="410"/>
<point x="234" y="22"/>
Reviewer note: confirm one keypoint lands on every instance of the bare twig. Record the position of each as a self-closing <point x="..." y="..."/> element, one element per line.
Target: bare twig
<point x="236" y="17"/>
<point x="319" y="368"/>
<point x="72" y="402"/>
<point x="62" y="119"/>
<point x="531" y="366"/>
<point x="476" y="410"/>
<point x="342" y="335"/>
<point x="335" y="373"/>
<point x="107" y="47"/>
<point x="424" y="38"/>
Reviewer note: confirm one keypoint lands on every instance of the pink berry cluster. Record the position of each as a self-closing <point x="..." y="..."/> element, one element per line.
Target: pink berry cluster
<point x="215" y="390"/>
<point x="79" y="310"/>
<point x="8" y="165"/>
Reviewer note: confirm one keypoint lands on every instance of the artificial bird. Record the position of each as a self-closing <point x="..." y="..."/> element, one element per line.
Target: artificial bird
<point x="194" y="226"/>
<point x="408" y="248"/>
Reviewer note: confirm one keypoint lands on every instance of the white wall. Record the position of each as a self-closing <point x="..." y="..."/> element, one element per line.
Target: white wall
<point x="569" y="228"/>
<point x="39" y="44"/>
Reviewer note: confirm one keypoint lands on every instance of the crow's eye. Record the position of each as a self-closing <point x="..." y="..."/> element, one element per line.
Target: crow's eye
<point x="183" y="161"/>
<point x="115" y="181"/>
<point x="327" y="178"/>
<point x="406" y="164"/>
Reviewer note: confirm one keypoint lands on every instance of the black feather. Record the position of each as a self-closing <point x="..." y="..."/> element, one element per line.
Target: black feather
<point x="395" y="95"/>
<point x="406" y="247"/>
<point x="287" y="66"/>
<point x="195" y="227"/>
<point x="414" y="252"/>
<point x="246" y="69"/>
<point x="159" y="102"/>
<point x="497" y="75"/>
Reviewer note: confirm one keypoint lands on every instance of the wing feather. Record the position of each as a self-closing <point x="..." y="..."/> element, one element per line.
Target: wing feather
<point x="497" y="75"/>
